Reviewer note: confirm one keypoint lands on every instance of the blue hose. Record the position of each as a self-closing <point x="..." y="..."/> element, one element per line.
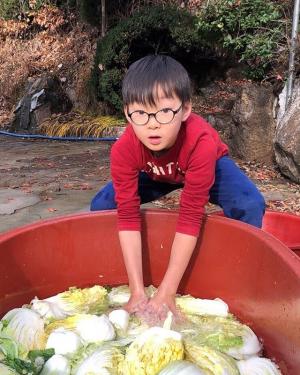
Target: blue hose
<point x="72" y="139"/>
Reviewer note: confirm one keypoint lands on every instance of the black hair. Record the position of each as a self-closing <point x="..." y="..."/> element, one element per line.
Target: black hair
<point x="144" y="76"/>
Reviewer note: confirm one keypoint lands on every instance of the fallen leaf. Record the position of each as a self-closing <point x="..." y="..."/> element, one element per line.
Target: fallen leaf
<point x="51" y="209"/>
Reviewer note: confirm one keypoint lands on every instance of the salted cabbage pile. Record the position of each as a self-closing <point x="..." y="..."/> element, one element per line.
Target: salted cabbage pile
<point x="86" y="332"/>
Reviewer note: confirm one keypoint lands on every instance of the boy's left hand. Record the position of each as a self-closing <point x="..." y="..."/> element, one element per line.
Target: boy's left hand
<point x="157" y="308"/>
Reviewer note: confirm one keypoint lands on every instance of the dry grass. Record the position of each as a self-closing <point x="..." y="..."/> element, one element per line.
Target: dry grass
<point x="79" y="125"/>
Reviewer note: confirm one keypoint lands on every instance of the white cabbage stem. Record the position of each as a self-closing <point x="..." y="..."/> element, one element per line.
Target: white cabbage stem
<point x="95" y="329"/>
<point x="258" y="366"/>
<point x="56" y="365"/>
<point x="63" y="341"/>
<point x="120" y="319"/>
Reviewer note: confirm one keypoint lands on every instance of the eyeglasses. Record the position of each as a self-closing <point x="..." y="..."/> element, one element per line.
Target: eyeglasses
<point x="163" y="116"/>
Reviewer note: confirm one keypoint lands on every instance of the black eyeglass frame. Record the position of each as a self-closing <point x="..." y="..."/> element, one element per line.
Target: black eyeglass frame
<point x="154" y="115"/>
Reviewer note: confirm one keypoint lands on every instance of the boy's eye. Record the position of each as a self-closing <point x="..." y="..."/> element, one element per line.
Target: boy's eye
<point x="165" y="110"/>
<point x="140" y="112"/>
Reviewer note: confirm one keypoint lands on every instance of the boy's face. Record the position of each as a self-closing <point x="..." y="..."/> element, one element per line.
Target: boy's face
<point x="155" y="136"/>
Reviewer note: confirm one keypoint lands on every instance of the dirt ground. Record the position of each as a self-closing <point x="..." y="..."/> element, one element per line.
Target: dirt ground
<point x="42" y="179"/>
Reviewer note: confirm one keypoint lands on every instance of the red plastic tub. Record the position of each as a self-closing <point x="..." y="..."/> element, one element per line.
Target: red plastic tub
<point x="251" y="270"/>
<point x="285" y="227"/>
<point x="282" y="225"/>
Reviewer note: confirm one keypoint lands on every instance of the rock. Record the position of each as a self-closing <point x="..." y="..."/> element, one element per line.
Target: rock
<point x="244" y="118"/>
<point x="252" y="114"/>
<point x="236" y="72"/>
<point x="43" y="96"/>
<point x="287" y="138"/>
<point x="223" y="123"/>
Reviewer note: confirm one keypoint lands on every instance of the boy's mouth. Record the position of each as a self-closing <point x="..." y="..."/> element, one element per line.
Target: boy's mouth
<point x="154" y="140"/>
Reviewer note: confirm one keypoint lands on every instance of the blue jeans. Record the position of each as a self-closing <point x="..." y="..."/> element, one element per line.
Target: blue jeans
<point x="232" y="190"/>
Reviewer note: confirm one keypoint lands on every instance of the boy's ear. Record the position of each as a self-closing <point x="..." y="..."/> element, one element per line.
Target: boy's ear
<point x="125" y="109"/>
<point x="186" y="110"/>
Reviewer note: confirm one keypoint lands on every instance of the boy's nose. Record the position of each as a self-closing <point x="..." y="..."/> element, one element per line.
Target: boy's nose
<point x="153" y="123"/>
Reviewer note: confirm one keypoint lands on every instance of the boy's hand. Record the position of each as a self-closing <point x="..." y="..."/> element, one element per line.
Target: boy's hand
<point x="136" y="303"/>
<point x="164" y="300"/>
<point x="156" y="310"/>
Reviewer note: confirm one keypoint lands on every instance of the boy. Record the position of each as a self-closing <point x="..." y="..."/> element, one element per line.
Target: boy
<point x="163" y="148"/>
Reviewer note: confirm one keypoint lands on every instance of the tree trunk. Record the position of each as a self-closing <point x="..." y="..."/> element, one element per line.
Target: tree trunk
<point x="103" y="18"/>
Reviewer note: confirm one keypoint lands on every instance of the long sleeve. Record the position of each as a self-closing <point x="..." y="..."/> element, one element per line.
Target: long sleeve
<point x="199" y="178"/>
<point x="125" y="171"/>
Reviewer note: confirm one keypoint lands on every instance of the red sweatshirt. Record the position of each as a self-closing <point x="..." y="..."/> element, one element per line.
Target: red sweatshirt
<point x="190" y="161"/>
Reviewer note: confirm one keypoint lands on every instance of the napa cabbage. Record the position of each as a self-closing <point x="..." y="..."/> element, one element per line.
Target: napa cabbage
<point x="56" y="365"/>
<point x="90" y="328"/>
<point x="26" y="328"/>
<point x="181" y="368"/>
<point x="32" y="364"/>
<point x="226" y="335"/>
<point x="8" y="347"/>
<point x="103" y="360"/>
<point x="5" y="370"/>
<point x="211" y="361"/>
<point x="198" y="306"/>
<point x="119" y="295"/>
<point x="136" y="326"/>
<point x="258" y="366"/>
<point x="92" y="300"/>
<point x="63" y="341"/>
<point x="120" y="319"/>
<point x="152" y="350"/>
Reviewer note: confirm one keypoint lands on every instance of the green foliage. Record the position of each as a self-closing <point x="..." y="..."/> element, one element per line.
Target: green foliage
<point x="10" y="9"/>
<point x="250" y="29"/>
<point x="164" y="30"/>
<point x="68" y="5"/>
<point x="90" y="11"/>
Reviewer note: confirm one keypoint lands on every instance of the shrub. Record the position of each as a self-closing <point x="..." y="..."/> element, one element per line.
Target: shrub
<point x="90" y="11"/>
<point x="224" y="31"/>
<point x="164" y="30"/>
<point x="249" y="29"/>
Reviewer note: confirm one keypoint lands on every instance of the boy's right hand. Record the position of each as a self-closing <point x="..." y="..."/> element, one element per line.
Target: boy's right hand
<point x="136" y="303"/>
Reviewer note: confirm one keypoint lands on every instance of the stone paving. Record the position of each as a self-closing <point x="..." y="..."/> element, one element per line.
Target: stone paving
<point x="44" y="179"/>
